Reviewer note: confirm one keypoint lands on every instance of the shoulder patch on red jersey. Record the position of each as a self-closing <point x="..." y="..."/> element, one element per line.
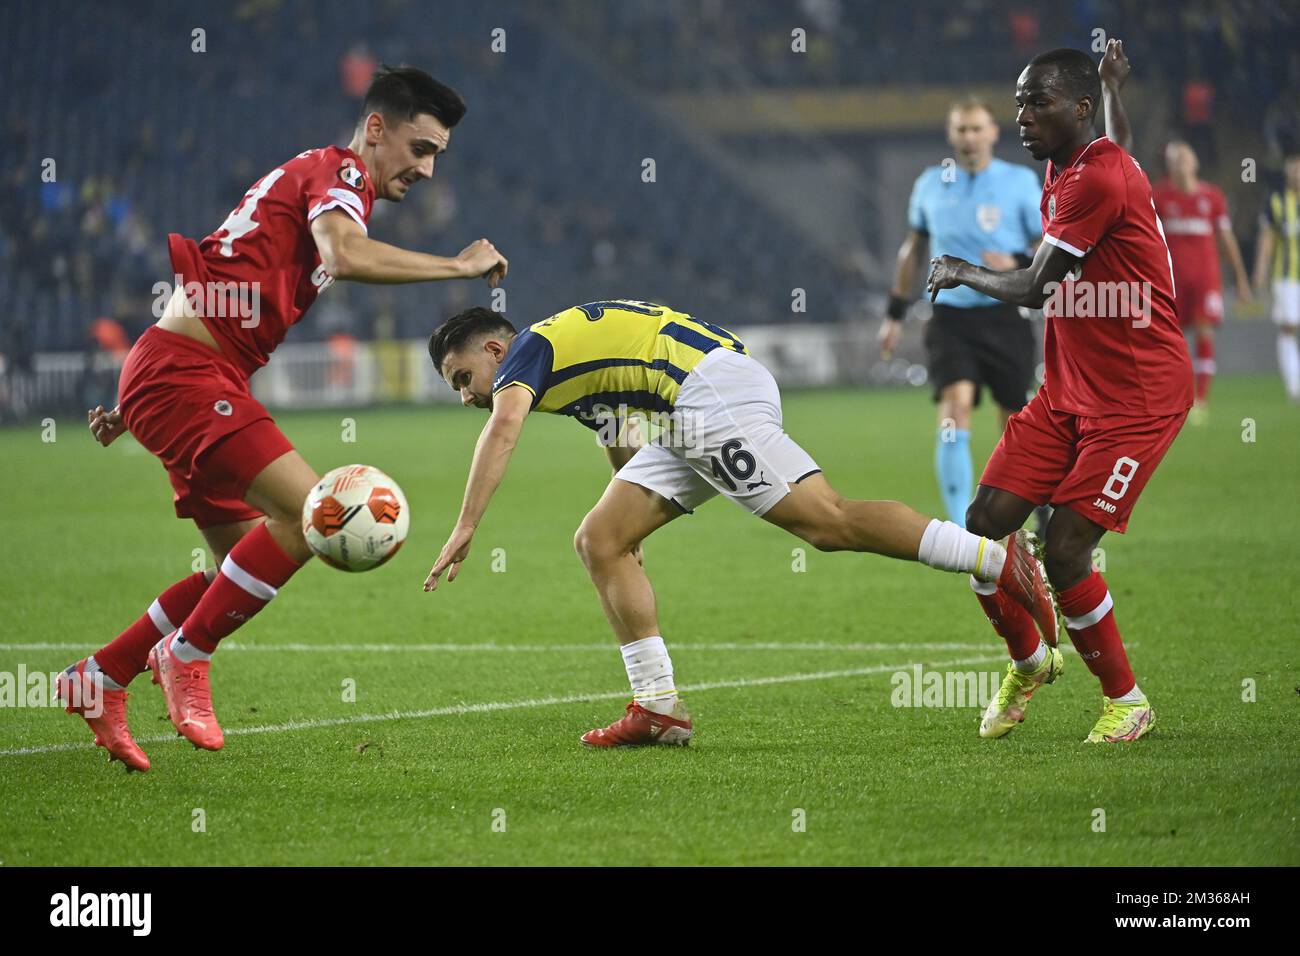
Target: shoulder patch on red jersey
<point x="351" y="176"/>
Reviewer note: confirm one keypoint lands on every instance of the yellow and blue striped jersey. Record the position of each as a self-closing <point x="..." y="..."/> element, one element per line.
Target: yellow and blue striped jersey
<point x="622" y="357"/>
<point x="1283" y="217"/>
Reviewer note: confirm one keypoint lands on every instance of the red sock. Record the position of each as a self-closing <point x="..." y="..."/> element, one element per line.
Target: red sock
<point x="125" y="656"/>
<point x="1012" y="622"/>
<point x="1204" y="365"/>
<point x="249" y="577"/>
<point x="1090" y="621"/>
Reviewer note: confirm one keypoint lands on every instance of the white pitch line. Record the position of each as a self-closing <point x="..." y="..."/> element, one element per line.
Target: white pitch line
<point x="605" y="646"/>
<point x="493" y="706"/>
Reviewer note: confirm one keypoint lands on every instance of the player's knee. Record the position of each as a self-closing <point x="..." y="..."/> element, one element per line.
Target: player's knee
<point x="1067" y="557"/>
<point x="960" y="414"/>
<point x="285" y="506"/>
<point x="594" y="546"/>
<point x="287" y="530"/>
<point x="981" y="520"/>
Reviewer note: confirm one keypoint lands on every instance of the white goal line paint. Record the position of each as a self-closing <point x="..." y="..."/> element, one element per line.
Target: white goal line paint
<point x="605" y="646"/>
<point x="487" y="707"/>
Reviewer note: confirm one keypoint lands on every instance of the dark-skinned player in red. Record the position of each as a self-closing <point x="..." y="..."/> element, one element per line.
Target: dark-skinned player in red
<point x="184" y="392"/>
<point x="1118" y="381"/>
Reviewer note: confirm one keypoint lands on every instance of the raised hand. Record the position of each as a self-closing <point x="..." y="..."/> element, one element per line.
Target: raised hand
<point x="1114" y="67"/>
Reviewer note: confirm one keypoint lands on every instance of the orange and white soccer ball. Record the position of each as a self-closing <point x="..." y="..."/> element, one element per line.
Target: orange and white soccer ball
<point x="355" y="518"/>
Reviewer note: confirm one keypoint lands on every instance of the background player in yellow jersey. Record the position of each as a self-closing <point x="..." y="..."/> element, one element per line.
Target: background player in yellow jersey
<point x="1278" y="252"/>
<point x="608" y="363"/>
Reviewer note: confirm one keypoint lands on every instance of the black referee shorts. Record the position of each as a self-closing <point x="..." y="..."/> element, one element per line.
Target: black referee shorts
<point x="988" y="345"/>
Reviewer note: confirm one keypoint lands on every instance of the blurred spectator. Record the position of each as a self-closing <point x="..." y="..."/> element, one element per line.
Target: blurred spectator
<point x="356" y="68"/>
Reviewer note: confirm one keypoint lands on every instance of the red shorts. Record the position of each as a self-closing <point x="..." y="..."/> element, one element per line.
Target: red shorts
<point x="1096" y="467"/>
<point x="1199" y="302"/>
<point x="194" y="411"/>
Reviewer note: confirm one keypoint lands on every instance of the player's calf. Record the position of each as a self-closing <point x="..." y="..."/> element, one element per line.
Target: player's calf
<point x="1022" y="602"/>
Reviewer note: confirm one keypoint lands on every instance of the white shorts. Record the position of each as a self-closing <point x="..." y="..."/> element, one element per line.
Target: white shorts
<point x="1286" y="302"/>
<point x="729" y="440"/>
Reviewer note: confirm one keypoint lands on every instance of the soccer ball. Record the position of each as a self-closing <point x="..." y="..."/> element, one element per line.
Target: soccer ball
<point x="355" y="518"/>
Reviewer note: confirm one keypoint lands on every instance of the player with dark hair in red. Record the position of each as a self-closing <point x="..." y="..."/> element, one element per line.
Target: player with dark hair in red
<point x="1195" y="217"/>
<point x="184" y="390"/>
<point x="1118" y="382"/>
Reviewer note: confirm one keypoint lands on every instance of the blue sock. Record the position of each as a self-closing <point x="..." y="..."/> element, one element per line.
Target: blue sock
<point x="952" y="465"/>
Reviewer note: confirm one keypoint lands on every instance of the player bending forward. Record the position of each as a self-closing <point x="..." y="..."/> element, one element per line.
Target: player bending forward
<point x="606" y="362"/>
<point x="184" y="391"/>
<point x="1117" y="389"/>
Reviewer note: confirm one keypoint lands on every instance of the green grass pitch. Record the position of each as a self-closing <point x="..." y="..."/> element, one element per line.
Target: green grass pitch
<point x="799" y="756"/>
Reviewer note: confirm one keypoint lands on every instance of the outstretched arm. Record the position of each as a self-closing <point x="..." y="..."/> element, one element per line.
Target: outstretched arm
<point x="1028" y="287"/>
<point x="492" y="454"/>
<point x="348" y="253"/>
<point x="1114" y="70"/>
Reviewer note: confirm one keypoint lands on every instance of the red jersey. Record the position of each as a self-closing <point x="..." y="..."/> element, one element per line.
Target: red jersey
<point x="1192" y="221"/>
<point x="267" y="240"/>
<point x="1113" y="345"/>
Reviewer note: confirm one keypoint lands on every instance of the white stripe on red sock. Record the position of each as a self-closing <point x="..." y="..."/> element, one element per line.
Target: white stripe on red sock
<point x="254" y="586"/>
<point x="1093" y="616"/>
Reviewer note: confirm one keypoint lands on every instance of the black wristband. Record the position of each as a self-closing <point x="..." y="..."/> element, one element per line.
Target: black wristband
<point x="1024" y="260"/>
<point x="897" y="307"/>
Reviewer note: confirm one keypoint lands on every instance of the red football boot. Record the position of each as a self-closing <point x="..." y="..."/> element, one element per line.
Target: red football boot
<point x="641" y="726"/>
<point x="107" y="720"/>
<point x="1025" y="580"/>
<point x="189" y="698"/>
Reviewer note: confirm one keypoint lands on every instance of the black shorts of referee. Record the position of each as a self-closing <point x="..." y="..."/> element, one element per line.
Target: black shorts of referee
<point x="991" y="346"/>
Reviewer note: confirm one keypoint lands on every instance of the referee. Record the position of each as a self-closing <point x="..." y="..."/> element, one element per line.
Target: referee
<point x="984" y="210"/>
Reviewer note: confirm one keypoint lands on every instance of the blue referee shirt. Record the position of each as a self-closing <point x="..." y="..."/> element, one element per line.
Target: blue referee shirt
<point x="995" y="209"/>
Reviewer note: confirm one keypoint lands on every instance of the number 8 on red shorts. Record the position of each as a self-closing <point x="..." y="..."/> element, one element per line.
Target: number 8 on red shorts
<point x="1096" y="467"/>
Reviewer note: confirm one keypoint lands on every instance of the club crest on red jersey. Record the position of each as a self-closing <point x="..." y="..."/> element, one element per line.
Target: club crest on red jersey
<point x="1051" y="206"/>
<point x="352" y="176"/>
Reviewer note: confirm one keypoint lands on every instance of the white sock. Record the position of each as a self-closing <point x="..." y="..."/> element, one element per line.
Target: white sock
<point x="983" y="587"/>
<point x="651" y="674"/>
<point x="93" y="668"/>
<point x="1288" y="359"/>
<point x="1033" y="661"/>
<point x="1132" y="697"/>
<point x="950" y="547"/>
<point x="184" y="651"/>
